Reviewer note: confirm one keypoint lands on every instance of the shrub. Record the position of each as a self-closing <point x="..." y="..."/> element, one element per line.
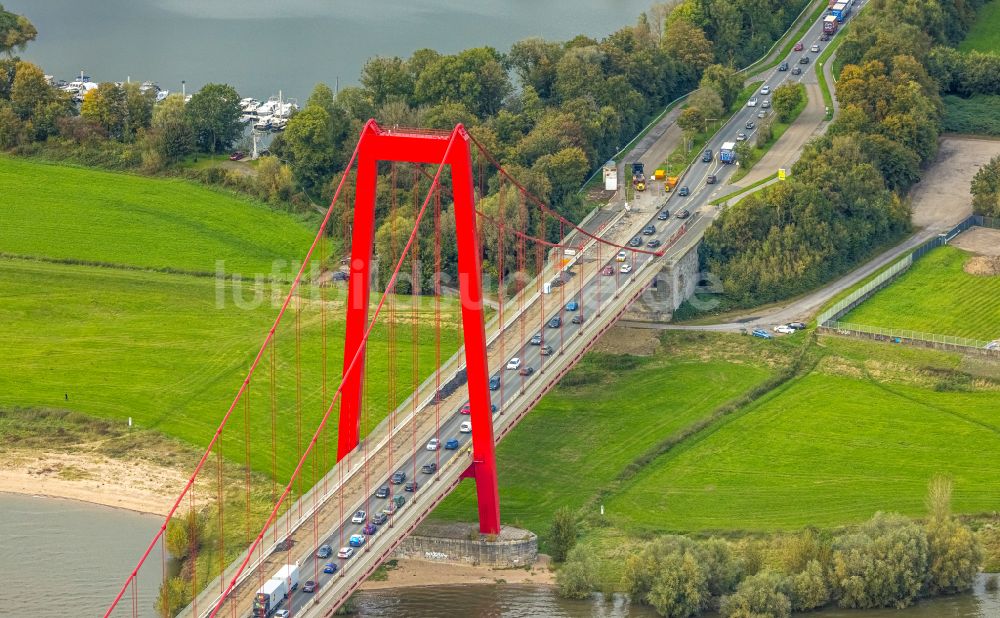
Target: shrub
<point x="562" y="535"/>
<point x="809" y="589"/>
<point x="763" y="594"/>
<point x="578" y="577"/>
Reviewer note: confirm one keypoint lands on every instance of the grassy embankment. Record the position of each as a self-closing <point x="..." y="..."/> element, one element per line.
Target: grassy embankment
<point x="778" y="129"/>
<point x="937" y="296"/>
<point x="979" y="114"/>
<point x="167" y="349"/>
<point x="824" y="57"/>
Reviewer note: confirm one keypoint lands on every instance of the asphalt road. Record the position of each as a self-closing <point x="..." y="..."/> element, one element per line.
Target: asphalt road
<point x="590" y="296"/>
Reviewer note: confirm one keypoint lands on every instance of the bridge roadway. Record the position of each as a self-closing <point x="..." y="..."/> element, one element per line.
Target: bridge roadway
<point x="323" y="516"/>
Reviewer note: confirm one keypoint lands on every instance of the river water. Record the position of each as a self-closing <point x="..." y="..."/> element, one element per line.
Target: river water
<point x="261" y="46"/>
<point x="62" y="558"/>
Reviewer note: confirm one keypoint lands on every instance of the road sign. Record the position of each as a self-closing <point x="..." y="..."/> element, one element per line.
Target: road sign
<point x="782" y="173"/>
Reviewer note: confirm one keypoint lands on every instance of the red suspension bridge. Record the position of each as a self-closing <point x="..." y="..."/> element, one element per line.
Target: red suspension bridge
<point x="240" y="525"/>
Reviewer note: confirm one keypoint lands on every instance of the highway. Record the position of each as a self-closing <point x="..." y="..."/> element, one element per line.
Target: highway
<point x="399" y="444"/>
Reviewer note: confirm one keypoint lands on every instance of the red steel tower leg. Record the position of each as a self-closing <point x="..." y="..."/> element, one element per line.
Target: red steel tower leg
<point x="383" y="145"/>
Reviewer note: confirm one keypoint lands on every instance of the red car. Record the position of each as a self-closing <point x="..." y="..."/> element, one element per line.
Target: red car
<point x="799" y="46"/>
<point x="466" y="409"/>
<point x="236" y="156"/>
<point x="608" y="271"/>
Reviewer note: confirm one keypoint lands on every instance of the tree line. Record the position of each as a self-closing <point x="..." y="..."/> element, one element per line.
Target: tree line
<point x="889" y="561"/>
<point x="847" y="194"/>
<point x="986" y="189"/>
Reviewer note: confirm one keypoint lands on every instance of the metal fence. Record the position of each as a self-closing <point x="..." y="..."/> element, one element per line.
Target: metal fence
<point x="829" y="319"/>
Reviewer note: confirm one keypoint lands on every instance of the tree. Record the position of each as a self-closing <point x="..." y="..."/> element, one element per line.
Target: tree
<point x="808" y="588"/>
<point x="688" y="44"/>
<point x="986" y="189"/>
<point x="565" y="170"/>
<point x="680" y="589"/>
<point x="29" y="91"/>
<point x="474" y="77"/>
<point x="176" y="538"/>
<point x="786" y="98"/>
<point x="387" y="79"/>
<point x="214" y="115"/>
<point x="562" y="534"/>
<point x="10" y="126"/>
<point x="708" y="101"/>
<point x="534" y="62"/>
<point x="578" y="576"/>
<point x="16" y="31"/>
<point x="309" y="147"/>
<point x="727" y="82"/>
<point x="174" y="595"/>
<point x="954" y="553"/>
<point x="274" y="180"/>
<point x="691" y="119"/>
<point x="762" y="594"/>
<point x="121" y="110"/>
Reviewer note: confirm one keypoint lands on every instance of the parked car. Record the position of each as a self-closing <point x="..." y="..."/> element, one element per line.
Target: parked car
<point x="707" y="156"/>
<point x="411" y="487"/>
<point x="649" y="230"/>
<point x="465" y="427"/>
<point x="429" y="468"/>
<point x="622" y="256"/>
<point x="495" y="383"/>
<point x="382" y="492"/>
<point x="309" y="586"/>
<point x="546" y="350"/>
<point x="783" y="66"/>
<point x="814" y="49"/>
<point x="577" y="319"/>
<point x="635" y="242"/>
<point x="626" y="269"/>
<point x="398" y="477"/>
<point x="760" y="332"/>
<point x="784" y="329"/>
<point x="765" y="90"/>
<point x="796" y="71"/>
<point x="572" y="305"/>
<point x="329" y="567"/>
<point x="359" y="517"/>
<point x="555" y="322"/>
<point x="752" y="102"/>
<point x="684" y="191"/>
<point x="663" y="216"/>
<point x="380" y="518"/>
<point x="370" y="529"/>
<point x="799" y="46"/>
<point x="324" y="551"/>
<point x="514" y="363"/>
<point x="682" y="214"/>
<point x="345" y="552"/>
<point x="434" y="444"/>
<point x="526" y="371"/>
<point x="607" y="271"/>
<point x="339" y="275"/>
<point x="236" y="156"/>
<point x="356" y="540"/>
<point x="797" y="325"/>
<point x="656" y="242"/>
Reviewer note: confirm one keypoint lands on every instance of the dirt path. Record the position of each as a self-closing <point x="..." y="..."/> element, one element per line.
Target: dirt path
<point x="409" y="573"/>
<point x="979" y="240"/>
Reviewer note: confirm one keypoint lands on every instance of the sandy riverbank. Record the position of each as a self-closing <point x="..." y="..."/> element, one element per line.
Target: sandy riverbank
<point x="136" y="486"/>
<point x="411" y="573"/>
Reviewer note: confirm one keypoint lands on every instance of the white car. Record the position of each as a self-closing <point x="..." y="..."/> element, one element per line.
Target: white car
<point x="626" y="269"/>
<point x="434" y="444"/>
<point x="765" y="90"/>
<point x="766" y="104"/>
<point x="465" y="427"/>
<point x="762" y="114"/>
<point x="784" y="329"/>
<point x="752" y="102"/>
<point x="814" y="49"/>
<point x="359" y="517"/>
<point x="345" y="552"/>
<point x="281" y="613"/>
<point x="622" y="256"/>
<point x="993" y="345"/>
<point x="514" y="363"/>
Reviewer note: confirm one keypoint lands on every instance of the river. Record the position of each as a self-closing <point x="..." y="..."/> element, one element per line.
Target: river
<point x="261" y="46"/>
<point x="62" y="558"/>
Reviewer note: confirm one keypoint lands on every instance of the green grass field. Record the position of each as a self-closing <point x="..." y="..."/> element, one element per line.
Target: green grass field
<point x="979" y="114"/>
<point x="985" y="33"/>
<point x="936" y="296"/>
<point x="607" y="413"/>
<point x="79" y="214"/>
<point x="156" y="347"/>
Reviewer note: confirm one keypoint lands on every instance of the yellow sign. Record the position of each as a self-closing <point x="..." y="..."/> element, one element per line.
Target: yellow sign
<point x="782" y="174"/>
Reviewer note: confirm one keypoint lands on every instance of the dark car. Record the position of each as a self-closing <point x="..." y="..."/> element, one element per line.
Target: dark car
<point x="710" y="180"/>
<point x="783" y="66"/>
<point x="683" y="214"/>
<point x="370" y="529"/>
<point x="684" y="192"/>
<point x="707" y="156"/>
<point x="824" y="37"/>
<point x="536" y="339"/>
<point x="429" y="468"/>
<point x="495" y="383"/>
<point x="555" y="322"/>
<point x="577" y="319"/>
<point x="330" y="567"/>
<point x="324" y="551"/>
<point x="796" y="71"/>
<point x="411" y="486"/>
<point x="398" y="477"/>
<point x="654" y="243"/>
<point x="285" y="545"/>
<point x="663" y="216"/>
<point x="649" y="230"/>
<point x="804" y="60"/>
<point x="236" y="156"/>
<point x="546" y="350"/>
<point x="379" y="518"/>
<point x="749" y="124"/>
<point x="526" y="371"/>
<point x="310" y="586"/>
<point x="635" y="242"/>
<point x="797" y="325"/>
<point x="339" y="275"/>
<point x="399" y="501"/>
<point x="382" y="492"/>
<point x="451" y="444"/>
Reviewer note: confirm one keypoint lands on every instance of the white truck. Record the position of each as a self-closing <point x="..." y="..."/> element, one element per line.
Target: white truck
<point x="275" y="590"/>
<point x="728" y="153"/>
